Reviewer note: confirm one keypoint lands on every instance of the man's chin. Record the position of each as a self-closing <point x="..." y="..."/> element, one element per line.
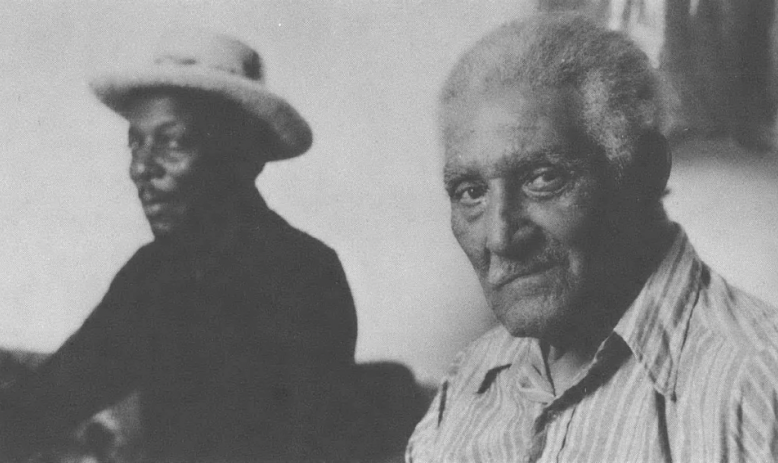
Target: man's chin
<point x="532" y="316"/>
<point x="523" y="328"/>
<point x="162" y="229"/>
<point x="544" y="328"/>
<point x="533" y="306"/>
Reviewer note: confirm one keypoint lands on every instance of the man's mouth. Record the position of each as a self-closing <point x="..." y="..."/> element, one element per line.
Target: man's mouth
<point x="153" y="208"/>
<point x="502" y="273"/>
<point x="153" y="201"/>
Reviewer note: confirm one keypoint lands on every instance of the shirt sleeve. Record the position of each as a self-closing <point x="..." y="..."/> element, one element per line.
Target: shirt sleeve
<point x="421" y="446"/>
<point x="93" y="368"/>
<point x="752" y="421"/>
<point x="422" y="440"/>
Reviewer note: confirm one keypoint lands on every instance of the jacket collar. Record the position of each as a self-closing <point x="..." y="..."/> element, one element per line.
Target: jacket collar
<point x="252" y="219"/>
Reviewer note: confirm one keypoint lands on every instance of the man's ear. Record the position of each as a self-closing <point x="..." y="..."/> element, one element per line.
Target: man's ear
<point x="651" y="166"/>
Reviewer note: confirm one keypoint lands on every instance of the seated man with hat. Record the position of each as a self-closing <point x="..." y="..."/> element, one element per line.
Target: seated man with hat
<point x="234" y="327"/>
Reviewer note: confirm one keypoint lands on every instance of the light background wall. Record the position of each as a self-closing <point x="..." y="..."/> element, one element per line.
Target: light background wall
<point x="365" y="74"/>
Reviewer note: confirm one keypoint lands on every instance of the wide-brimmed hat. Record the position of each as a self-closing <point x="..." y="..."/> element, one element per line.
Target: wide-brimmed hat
<point x="219" y="65"/>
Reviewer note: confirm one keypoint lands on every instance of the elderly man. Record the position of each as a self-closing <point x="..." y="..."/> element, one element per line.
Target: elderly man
<point x="234" y="326"/>
<point x="616" y="342"/>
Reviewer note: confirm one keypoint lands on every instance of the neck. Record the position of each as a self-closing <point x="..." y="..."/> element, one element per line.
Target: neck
<point x="216" y="223"/>
<point x="624" y="272"/>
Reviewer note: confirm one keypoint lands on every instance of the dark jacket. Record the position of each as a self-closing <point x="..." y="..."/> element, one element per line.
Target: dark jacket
<point x="235" y="351"/>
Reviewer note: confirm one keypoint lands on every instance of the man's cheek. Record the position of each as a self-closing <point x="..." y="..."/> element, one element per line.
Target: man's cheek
<point x="459" y="229"/>
<point x="470" y="242"/>
<point x="566" y="224"/>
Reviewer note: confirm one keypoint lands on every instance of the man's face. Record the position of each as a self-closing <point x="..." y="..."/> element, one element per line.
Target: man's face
<point x="169" y="163"/>
<point x="526" y="207"/>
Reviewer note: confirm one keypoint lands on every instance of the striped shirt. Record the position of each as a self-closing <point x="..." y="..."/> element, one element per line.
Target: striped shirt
<point x="689" y="374"/>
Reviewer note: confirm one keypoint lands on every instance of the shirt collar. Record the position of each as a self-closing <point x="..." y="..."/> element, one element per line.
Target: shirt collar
<point x="654" y="327"/>
<point x="656" y="323"/>
<point x="503" y="351"/>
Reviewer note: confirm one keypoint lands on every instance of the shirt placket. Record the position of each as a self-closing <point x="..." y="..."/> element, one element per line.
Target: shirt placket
<point x="550" y="427"/>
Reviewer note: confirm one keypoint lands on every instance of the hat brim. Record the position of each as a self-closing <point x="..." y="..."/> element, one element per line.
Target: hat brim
<point x="293" y="133"/>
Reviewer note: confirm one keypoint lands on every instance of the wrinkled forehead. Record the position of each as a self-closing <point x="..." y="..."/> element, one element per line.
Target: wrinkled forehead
<point x="510" y="123"/>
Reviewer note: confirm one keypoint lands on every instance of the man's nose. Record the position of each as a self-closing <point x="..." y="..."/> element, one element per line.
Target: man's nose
<point x="144" y="165"/>
<point x="507" y="224"/>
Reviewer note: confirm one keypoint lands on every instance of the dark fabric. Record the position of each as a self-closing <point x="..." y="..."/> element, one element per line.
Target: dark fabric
<point x="235" y="350"/>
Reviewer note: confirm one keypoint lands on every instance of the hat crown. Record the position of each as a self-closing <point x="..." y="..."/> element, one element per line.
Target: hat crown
<point x="216" y="52"/>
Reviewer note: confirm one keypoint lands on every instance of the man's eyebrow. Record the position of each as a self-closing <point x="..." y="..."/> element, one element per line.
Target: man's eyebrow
<point x="453" y="175"/>
<point x="172" y="124"/>
<point x="557" y="155"/>
<point x="166" y="125"/>
<point x="512" y="162"/>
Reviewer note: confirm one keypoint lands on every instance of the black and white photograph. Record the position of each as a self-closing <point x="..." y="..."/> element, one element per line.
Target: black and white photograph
<point x="420" y="231"/>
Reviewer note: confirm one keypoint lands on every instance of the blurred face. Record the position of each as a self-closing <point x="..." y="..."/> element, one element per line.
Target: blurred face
<point x="169" y="163"/>
<point x="526" y="206"/>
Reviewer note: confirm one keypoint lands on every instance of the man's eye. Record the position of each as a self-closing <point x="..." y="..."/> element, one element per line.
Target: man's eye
<point x="171" y="143"/>
<point x="546" y="181"/>
<point x="469" y="194"/>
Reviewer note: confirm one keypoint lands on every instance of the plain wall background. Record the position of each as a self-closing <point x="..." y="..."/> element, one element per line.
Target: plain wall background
<point x="366" y="75"/>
